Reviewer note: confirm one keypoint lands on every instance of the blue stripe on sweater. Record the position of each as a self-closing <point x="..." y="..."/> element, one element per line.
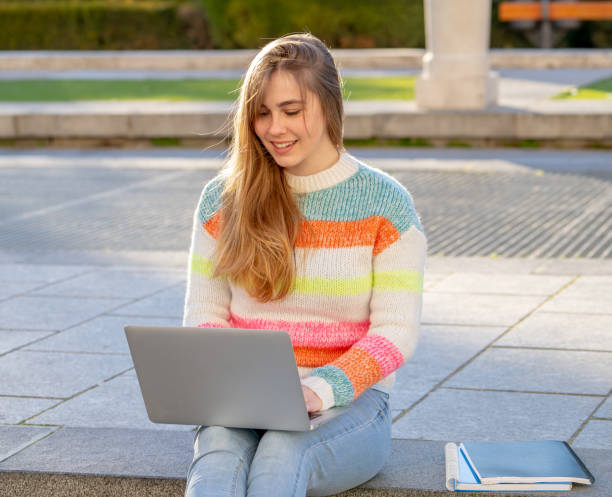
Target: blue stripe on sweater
<point x="369" y="192"/>
<point x="341" y="385"/>
<point x="210" y="199"/>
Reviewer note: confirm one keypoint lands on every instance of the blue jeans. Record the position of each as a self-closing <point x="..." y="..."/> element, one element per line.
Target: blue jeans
<point x="339" y="455"/>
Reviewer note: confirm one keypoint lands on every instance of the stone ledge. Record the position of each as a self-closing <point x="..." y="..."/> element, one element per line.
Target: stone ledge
<point x="125" y="462"/>
<point x="198" y="60"/>
<point x="362" y="121"/>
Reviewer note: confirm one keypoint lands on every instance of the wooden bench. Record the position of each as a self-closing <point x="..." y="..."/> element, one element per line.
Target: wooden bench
<point x="566" y="15"/>
<point x="584" y="11"/>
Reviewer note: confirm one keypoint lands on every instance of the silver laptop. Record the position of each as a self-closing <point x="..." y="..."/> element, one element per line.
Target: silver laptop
<point x="221" y="377"/>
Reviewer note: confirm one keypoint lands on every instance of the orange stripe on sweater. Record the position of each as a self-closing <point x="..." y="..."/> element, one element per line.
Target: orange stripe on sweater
<point x="309" y="357"/>
<point x="212" y="225"/>
<point x="375" y="231"/>
<point x="360" y="368"/>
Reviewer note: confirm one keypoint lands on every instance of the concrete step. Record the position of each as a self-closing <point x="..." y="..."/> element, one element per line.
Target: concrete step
<point x="171" y="60"/>
<point x="134" y="463"/>
<point x="589" y="121"/>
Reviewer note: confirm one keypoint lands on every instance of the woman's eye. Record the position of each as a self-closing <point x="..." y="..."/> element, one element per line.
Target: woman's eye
<point x="292" y="113"/>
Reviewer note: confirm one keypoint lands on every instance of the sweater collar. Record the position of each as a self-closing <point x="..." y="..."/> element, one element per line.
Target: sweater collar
<point x="344" y="168"/>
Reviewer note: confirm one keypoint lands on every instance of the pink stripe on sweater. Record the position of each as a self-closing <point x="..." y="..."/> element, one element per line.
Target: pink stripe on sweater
<point x="315" y="334"/>
<point x="387" y="355"/>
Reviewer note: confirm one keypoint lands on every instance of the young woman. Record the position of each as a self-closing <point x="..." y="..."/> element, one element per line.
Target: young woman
<point x="296" y="234"/>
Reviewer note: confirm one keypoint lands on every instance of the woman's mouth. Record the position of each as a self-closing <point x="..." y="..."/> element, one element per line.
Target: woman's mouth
<point x="283" y="147"/>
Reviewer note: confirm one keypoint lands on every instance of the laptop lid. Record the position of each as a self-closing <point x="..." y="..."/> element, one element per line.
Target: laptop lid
<point x="221" y="376"/>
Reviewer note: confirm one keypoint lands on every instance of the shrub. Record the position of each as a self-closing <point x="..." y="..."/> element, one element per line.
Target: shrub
<point x="94" y="24"/>
<point x="340" y="23"/>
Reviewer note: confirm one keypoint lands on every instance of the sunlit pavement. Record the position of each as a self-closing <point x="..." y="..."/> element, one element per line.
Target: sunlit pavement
<point x="515" y="341"/>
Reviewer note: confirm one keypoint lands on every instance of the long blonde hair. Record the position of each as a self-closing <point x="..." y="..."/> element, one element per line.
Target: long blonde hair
<point x="260" y="218"/>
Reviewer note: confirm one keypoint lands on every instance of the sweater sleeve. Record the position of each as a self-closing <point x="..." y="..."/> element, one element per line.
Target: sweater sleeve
<point x="207" y="299"/>
<point x="398" y="262"/>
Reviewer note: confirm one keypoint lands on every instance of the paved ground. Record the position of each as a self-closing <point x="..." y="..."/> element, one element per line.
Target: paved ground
<point x="511" y="347"/>
<point x="495" y="202"/>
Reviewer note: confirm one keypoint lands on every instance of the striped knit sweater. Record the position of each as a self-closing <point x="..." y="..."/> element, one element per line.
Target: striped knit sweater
<point x="354" y="310"/>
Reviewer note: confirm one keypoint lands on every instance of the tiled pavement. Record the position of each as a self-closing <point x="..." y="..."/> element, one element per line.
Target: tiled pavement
<point x="510" y="349"/>
<point x="511" y="203"/>
<point x="512" y="346"/>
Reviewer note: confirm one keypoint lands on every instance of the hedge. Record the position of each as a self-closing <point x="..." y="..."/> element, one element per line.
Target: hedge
<point x="192" y="24"/>
<point x="90" y="25"/>
<point x="340" y="23"/>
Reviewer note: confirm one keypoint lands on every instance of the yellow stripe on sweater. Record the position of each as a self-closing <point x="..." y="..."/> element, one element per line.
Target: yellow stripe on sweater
<point x="402" y="280"/>
<point x="202" y="265"/>
<point x="333" y="286"/>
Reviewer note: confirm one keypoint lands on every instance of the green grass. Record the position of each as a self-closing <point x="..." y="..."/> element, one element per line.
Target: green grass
<point x="601" y="89"/>
<point x="392" y="88"/>
<point x="30" y="90"/>
<point x="386" y="142"/>
<point x="165" y="142"/>
<point x="396" y="88"/>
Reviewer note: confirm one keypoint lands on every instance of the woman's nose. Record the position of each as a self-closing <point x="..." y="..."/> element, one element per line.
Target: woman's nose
<point x="277" y="126"/>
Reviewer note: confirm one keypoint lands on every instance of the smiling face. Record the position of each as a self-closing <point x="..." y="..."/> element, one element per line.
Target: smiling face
<point x="293" y="129"/>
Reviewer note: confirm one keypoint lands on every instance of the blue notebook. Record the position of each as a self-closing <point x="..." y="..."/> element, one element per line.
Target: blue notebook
<point x="534" y="466"/>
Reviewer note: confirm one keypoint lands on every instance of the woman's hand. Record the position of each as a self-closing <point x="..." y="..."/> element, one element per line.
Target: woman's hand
<point x="313" y="401"/>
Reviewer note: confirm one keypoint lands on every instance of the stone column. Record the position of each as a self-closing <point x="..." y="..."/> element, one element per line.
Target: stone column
<point x="456" y="71"/>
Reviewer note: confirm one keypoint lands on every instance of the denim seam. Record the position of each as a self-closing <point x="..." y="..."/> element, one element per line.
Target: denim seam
<point x="365" y="425"/>
<point x="235" y="479"/>
<point x="341" y="435"/>
<point x="242" y="461"/>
